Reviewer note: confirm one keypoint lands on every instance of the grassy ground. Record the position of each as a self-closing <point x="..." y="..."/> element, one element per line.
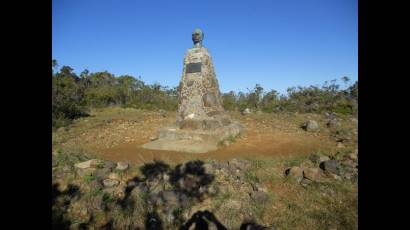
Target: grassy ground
<point x="272" y="143"/>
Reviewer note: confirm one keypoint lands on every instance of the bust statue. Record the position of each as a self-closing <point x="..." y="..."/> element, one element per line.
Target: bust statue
<point x="197" y="37"/>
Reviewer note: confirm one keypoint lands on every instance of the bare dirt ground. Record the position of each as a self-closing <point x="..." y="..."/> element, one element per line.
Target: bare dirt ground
<point x="117" y="134"/>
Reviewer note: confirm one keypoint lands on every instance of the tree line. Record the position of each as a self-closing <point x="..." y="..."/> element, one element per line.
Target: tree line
<point x="73" y="95"/>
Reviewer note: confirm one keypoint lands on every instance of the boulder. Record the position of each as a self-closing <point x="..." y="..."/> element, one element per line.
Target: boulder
<point x="323" y="158"/>
<point x="313" y="174"/>
<point x="295" y="173"/>
<point x="311" y="126"/>
<point x="333" y="123"/>
<point x="114" y="176"/>
<point x="93" y="163"/>
<point x="121" y="166"/>
<point x="109" y="183"/>
<point x="331" y="166"/>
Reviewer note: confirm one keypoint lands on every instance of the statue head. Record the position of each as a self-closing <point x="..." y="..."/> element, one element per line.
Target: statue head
<point x="197" y="37"/>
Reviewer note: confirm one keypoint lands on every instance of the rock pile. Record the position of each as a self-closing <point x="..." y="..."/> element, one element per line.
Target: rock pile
<point x="172" y="193"/>
<point x="319" y="168"/>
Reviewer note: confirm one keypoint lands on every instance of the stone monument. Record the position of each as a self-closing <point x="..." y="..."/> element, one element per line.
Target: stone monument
<point x="201" y="122"/>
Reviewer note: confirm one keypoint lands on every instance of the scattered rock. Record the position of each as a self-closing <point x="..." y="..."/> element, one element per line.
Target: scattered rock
<point x="334" y="123"/>
<point x="340" y="145"/>
<point x="313" y="174"/>
<point x="331" y="115"/>
<point x="89" y="164"/>
<point x="85" y="172"/>
<point x="114" y="176"/>
<point x="342" y="135"/>
<point x="323" y="158"/>
<point x="331" y="166"/>
<point x="294" y="173"/>
<point x="310" y="126"/>
<point x="110" y="183"/>
<point x="121" y="166"/>
<point x="153" y="138"/>
<point x="238" y="164"/>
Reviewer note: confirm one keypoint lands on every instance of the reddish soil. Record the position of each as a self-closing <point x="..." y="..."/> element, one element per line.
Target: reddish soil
<point x="265" y="136"/>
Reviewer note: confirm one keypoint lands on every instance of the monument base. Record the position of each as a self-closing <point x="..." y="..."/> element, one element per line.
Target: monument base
<point x="193" y="141"/>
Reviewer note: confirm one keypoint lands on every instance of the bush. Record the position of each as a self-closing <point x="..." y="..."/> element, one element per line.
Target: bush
<point x="73" y="95"/>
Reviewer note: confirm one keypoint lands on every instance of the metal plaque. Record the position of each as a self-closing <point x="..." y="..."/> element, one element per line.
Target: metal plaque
<point x="193" y="67"/>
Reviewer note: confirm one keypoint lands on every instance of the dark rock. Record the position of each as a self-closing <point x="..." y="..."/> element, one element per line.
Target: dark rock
<point x="330" y="166"/>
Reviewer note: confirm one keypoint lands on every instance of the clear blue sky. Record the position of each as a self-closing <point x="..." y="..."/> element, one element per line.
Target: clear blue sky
<point x="276" y="43"/>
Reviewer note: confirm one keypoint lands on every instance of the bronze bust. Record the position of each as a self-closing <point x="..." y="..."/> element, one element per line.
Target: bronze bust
<point x="197" y="37"/>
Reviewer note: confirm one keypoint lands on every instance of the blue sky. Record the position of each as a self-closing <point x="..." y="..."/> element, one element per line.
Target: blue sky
<point x="277" y="44"/>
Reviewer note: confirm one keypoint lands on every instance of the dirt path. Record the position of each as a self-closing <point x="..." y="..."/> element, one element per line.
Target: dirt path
<point x="121" y="134"/>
